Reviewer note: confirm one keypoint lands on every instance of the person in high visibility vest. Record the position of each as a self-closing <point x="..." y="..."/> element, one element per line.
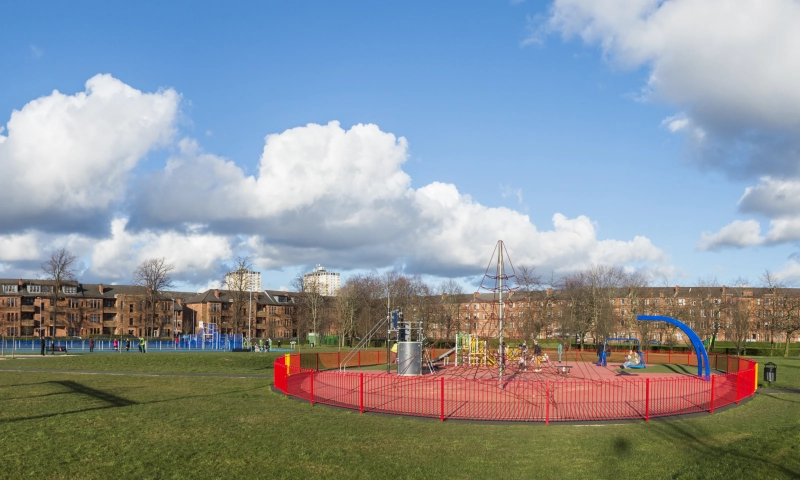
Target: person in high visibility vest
<point x="142" y="345"/>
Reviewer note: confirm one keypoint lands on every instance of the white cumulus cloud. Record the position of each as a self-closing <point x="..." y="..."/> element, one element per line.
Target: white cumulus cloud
<point x="70" y="155"/>
<point x="340" y="197"/>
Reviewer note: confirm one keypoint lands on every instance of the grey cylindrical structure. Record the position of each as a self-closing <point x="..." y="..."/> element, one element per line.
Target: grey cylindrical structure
<point x="409" y="358"/>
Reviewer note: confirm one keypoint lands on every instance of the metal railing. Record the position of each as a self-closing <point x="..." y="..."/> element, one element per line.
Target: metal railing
<point x="305" y="376"/>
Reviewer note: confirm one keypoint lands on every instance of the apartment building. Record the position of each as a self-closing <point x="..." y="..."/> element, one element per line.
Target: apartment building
<point x="27" y="308"/>
<point x="265" y="314"/>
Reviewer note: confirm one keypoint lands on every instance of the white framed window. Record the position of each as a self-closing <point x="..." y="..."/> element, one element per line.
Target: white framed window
<point x="9" y="289"/>
<point x="70" y="289"/>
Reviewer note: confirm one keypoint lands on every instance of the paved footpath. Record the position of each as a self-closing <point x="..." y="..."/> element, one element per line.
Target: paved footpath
<point x="151" y="374"/>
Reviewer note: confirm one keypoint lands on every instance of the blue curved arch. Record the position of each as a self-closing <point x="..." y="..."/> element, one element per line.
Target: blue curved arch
<point x="699" y="348"/>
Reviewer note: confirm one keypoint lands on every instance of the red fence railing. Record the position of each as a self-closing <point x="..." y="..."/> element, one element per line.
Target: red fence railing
<point x="303" y="376"/>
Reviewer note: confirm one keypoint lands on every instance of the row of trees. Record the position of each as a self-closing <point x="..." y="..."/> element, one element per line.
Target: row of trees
<point x="584" y="301"/>
<point x="571" y="306"/>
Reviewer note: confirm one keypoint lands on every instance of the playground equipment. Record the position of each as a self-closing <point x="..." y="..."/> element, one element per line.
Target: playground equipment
<point x="638" y="362"/>
<point x="408" y="337"/>
<point x="697" y="344"/>
<point x="472" y="351"/>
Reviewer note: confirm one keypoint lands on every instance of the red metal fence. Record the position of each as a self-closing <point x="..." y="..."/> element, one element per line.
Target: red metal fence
<point x="304" y="376"/>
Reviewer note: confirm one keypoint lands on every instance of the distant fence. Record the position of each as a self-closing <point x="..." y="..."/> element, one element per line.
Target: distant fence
<point x="305" y="376"/>
<point x="221" y="342"/>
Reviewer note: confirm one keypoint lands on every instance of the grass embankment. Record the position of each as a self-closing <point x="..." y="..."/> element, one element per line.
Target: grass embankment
<point x="104" y="426"/>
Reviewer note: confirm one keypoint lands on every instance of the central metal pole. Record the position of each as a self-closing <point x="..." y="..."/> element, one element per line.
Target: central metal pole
<point x="501" y="349"/>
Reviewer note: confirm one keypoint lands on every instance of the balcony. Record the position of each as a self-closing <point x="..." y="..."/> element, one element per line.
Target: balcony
<point x="28" y="308"/>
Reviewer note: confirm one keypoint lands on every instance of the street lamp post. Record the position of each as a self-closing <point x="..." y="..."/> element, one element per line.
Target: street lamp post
<point x="173" y="319"/>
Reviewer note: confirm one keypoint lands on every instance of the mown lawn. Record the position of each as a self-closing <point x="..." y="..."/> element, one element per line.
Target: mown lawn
<point x="71" y="425"/>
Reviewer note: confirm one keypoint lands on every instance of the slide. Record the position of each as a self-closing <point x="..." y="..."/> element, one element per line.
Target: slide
<point x="445" y="354"/>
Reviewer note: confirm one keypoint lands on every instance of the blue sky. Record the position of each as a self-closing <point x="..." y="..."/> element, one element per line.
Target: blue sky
<point x="659" y="136"/>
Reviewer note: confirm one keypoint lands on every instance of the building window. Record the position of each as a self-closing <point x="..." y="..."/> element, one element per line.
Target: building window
<point x="130" y="308"/>
<point x="68" y="289"/>
<point x="9" y="289"/>
<point x="73" y="303"/>
<point x="130" y="321"/>
<point x="95" y="304"/>
<point x="34" y="288"/>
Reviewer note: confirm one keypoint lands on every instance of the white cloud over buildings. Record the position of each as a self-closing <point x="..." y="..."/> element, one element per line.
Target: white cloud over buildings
<point x="322" y="193"/>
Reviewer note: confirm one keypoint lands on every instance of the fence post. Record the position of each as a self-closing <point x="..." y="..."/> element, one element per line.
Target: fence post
<point x="547" y="403"/>
<point x="441" y="398"/>
<point x="647" y="399"/>
<point x="738" y="374"/>
<point x="711" y="407"/>
<point x="311" y="398"/>
<point x="360" y="393"/>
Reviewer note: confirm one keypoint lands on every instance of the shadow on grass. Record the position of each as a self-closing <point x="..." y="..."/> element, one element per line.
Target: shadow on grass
<point x="705" y="446"/>
<point x="782" y="398"/>
<point x="680" y="368"/>
<point x="112" y="401"/>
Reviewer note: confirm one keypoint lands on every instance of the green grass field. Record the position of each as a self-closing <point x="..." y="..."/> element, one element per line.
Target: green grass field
<point x="69" y="425"/>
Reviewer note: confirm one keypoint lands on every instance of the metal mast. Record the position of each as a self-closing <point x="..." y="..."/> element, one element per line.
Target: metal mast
<point x="500" y="285"/>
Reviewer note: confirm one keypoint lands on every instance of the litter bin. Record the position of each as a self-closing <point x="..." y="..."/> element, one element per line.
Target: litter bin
<point x="770" y="370"/>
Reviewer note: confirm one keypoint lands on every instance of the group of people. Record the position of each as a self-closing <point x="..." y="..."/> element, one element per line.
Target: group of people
<point x="538" y="357"/>
<point x="259" y="346"/>
<point x="117" y="344"/>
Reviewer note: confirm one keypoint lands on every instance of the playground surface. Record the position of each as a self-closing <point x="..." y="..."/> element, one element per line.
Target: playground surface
<point x="570" y="391"/>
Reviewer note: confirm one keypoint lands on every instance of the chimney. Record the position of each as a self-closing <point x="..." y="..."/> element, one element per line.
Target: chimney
<point x="20" y="283"/>
<point x="101" y="288"/>
<point x="255" y="295"/>
<point x="549" y="291"/>
<point x="723" y="289"/>
<point x="676" y="289"/>
<point x="180" y="301"/>
<point x="216" y="293"/>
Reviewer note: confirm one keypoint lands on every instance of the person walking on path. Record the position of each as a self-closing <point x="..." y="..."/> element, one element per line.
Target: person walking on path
<point x="128" y="345"/>
<point x="41" y="339"/>
<point x="116" y="344"/>
<point x="559" y="352"/>
<point x="91" y="344"/>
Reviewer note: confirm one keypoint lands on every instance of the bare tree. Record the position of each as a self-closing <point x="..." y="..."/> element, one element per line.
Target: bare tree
<point x="450" y="319"/>
<point x="347" y="306"/>
<point x="311" y="299"/>
<point x="154" y="274"/>
<point x="59" y="268"/>
<point x="237" y="282"/>
<point x="784" y="313"/>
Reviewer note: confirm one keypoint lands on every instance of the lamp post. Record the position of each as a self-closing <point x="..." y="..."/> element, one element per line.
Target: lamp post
<point x="173" y="317"/>
<point x="250" y="316"/>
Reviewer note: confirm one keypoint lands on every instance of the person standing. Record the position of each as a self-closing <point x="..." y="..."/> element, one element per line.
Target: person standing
<point x="142" y="345"/>
<point x="128" y="345"/>
<point x="91" y="344"/>
<point x="559" y="352"/>
<point x="41" y="340"/>
<point x="116" y="344"/>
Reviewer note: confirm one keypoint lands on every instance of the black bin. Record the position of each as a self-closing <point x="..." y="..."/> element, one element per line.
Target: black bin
<point x="770" y="372"/>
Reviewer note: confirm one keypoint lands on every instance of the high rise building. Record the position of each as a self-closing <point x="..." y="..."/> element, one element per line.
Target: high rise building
<point x="251" y="280"/>
<point x="327" y="283"/>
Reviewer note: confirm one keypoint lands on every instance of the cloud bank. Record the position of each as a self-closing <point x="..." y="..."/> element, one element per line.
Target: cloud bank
<point x="321" y="194"/>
